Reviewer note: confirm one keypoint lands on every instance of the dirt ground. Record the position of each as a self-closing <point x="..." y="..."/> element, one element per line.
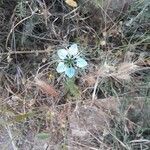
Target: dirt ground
<point x="105" y="106"/>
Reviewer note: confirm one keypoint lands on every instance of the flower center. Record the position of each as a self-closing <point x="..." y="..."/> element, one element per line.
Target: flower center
<point x="70" y="61"/>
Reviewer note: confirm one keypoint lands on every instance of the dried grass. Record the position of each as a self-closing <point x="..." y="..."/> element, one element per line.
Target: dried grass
<point x="46" y="88"/>
<point x="73" y="122"/>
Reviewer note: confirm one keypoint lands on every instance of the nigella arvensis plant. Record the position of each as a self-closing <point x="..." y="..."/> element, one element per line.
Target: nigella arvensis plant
<point x="70" y="61"/>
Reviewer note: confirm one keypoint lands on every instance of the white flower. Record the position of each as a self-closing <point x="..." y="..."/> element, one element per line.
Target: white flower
<point x="69" y="60"/>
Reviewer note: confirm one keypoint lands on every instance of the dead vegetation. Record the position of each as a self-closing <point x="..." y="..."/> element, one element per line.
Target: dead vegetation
<point x="104" y="107"/>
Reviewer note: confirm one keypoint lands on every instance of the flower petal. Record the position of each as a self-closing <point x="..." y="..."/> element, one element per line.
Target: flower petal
<point x="62" y="53"/>
<point x="61" y="67"/>
<point x="73" y="50"/>
<point x="70" y="72"/>
<point x="81" y="62"/>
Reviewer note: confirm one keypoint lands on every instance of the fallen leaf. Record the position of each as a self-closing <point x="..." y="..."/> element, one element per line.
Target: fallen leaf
<point x="71" y="3"/>
<point x="47" y="88"/>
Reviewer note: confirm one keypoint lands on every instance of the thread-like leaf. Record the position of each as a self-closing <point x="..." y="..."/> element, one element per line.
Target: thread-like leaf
<point x="72" y="88"/>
